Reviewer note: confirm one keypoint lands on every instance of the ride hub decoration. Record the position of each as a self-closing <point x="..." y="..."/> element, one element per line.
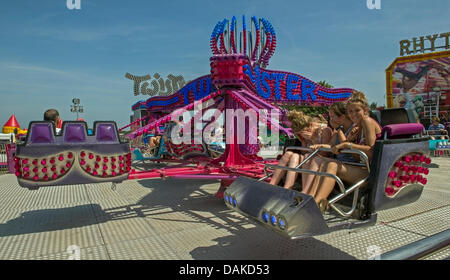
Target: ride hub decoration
<point x="246" y="65"/>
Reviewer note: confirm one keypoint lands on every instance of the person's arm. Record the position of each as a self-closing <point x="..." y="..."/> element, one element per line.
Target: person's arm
<point x="341" y="135"/>
<point x="369" y="130"/>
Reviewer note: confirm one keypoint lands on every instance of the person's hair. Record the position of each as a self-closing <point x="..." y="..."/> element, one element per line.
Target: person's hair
<point x="51" y="115"/>
<point x="359" y="97"/>
<point x="299" y="120"/>
<point x="319" y="118"/>
<point x="435" y="119"/>
<point x="339" y="108"/>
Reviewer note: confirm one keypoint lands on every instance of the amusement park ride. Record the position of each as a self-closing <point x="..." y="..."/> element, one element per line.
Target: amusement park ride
<point x="238" y="80"/>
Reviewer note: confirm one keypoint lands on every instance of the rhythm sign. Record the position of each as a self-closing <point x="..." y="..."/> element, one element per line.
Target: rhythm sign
<point x="416" y="45"/>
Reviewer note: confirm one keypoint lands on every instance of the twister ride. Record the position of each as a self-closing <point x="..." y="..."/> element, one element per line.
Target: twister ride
<point x="238" y="80"/>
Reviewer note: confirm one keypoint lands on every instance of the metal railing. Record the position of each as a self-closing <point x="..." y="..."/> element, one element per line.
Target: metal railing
<point x="420" y="249"/>
<point x="344" y="192"/>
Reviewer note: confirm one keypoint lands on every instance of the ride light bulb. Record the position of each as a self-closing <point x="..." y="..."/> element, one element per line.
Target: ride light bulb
<point x="68" y="165"/>
<point x="35" y="162"/>
<point x="91" y="156"/>
<point x="404" y="178"/>
<point x="61" y="158"/>
<point x="25" y="161"/>
<point x="54" y="176"/>
<point x="389" y="191"/>
<point x="52" y="160"/>
<point x="43" y="162"/>
<point x="82" y="162"/>
<point x="392" y="174"/>
<point x="82" y="154"/>
<point x="70" y="155"/>
<point x="397" y="183"/>
<point x="44" y="170"/>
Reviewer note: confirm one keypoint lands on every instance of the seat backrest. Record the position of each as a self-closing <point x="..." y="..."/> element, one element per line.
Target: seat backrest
<point x="106" y="131"/>
<point x="397" y="116"/>
<point x="74" y="131"/>
<point x="376" y="115"/>
<point x="41" y="132"/>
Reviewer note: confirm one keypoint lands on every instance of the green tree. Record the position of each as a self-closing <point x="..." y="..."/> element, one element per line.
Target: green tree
<point x="373" y="106"/>
<point x="325" y="84"/>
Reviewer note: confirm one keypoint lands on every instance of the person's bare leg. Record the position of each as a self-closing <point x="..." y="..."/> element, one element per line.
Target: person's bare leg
<point x="318" y="180"/>
<point x="327" y="183"/>
<point x="308" y="179"/>
<point x="279" y="173"/>
<point x="348" y="173"/>
<point x="291" y="175"/>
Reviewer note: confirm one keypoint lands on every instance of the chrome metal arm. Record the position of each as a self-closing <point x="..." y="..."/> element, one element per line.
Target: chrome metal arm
<point x="338" y="180"/>
<point x="344" y="192"/>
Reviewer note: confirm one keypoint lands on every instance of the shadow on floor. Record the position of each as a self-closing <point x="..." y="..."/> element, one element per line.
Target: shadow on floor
<point x="245" y="240"/>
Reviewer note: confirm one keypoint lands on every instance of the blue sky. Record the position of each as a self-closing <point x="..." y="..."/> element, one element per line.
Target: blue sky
<point x="50" y="54"/>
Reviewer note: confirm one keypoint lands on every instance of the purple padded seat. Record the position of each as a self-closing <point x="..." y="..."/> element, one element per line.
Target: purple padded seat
<point x="74" y="132"/>
<point x="106" y="132"/>
<point x="402" y="130"/>
<point x="41" y="133"/>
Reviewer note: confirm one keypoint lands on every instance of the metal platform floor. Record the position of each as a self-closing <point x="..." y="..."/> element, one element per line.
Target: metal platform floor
<point x="181" y="219"/>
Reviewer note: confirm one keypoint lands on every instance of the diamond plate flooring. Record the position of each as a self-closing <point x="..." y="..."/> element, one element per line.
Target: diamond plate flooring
<point x="181" y="219"/>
